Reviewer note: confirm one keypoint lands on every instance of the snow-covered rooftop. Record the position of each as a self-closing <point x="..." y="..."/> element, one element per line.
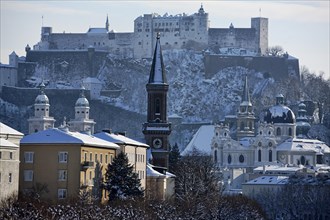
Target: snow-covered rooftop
<point x="92" y="80"/>
<point x="277" y="169"/>
<point x="269" y="180"/>
<point x="201" y="140"/>
<point x="5" y="129"/>
<point x="119" y="139"/>
<point x="63" y="136"/>
<point x="310" y="145"/>
<point x="97" y="31"/>
<point x="152" y="172"/>
<point x="6" y="143"/>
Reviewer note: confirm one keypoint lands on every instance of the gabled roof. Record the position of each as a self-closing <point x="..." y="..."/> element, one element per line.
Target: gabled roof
<point x="119" y="139"/>
<point x="201" y="140"/>
<point x="307" y="145"/>
<point x="157" y="72"/>
<point x="5" y="129"/>
<point x="63" y="136"/>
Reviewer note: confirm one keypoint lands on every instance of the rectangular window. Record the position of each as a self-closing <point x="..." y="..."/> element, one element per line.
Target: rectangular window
<point x="0" y="177"/>
<point x="28" y="175"/>
<point x="62" y="175"/>
<point x="61" y="193"/>
<point x="85" y="156"/>
<point x="10" y="177"/>
<point x="28" y="157"/>
<point x="90" y="157"/>
<point x="106" y="159"/>
<point x="11" y="155"/>
<point x="63" y="157"/>
<point x="101" y="158"/>
<point x="111" y="157"/>
<point x="0" y="154"/>
<point x="90" y="175"/>
<point x="95" y="158"/>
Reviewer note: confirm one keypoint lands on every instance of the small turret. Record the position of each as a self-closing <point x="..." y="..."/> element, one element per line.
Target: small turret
<point x="201" y="10"/>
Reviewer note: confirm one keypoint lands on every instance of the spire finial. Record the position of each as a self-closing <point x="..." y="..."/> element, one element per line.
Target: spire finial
<point x="42" y="88"/>
<point x="82" y="91"/>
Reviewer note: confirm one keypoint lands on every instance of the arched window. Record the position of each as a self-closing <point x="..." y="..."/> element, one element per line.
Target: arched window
<point x="259" y="155"/>
<point x="278" y="131"/>
<point x="302" y="160"/>
<point x="229" y="159"/>
<point x="157" y="106"/>
<point x="216" y="156"/>
<point x="242" y="126"/>
<point x="270" y="156"/>
<point x="241" y="158"/>
<point x="290" y="131"/>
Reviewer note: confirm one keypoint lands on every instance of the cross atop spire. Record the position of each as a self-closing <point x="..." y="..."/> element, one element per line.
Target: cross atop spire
<point x="157" y="72"/>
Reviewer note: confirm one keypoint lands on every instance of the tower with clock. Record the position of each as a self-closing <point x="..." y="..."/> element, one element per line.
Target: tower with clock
<point x="157" y="129"/>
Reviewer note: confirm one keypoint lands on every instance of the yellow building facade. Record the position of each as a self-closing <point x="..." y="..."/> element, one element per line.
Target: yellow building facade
<point x="65" y="162"/>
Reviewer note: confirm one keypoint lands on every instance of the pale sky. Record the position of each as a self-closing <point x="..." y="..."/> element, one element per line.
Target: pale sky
<point x="300" y="27"/>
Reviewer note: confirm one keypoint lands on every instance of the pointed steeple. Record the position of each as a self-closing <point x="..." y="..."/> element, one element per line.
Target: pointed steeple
<point x="246" y="93"/>
<point x="107" y="23"/>
<point x="157" y="72"/>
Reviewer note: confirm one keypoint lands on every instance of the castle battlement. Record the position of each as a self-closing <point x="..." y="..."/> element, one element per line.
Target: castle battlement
<point x="181" y="31"/>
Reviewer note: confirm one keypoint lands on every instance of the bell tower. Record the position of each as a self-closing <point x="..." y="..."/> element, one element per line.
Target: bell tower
<point x="157" y="129"/>
<point x="245" y="117"/>
<point x="41" y="120"/>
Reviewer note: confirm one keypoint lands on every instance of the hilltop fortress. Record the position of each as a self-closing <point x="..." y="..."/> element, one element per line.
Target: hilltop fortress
<point x="177" y="32"/>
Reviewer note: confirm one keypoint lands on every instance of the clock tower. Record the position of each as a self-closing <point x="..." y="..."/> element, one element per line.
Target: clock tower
<point x="157" y="129"/>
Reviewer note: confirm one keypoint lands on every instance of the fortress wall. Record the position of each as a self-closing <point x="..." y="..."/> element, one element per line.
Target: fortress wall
<point x="49" y="64"/>
<point x="122" y="44"/>
<point x="78" y="41"/>
<point x="66" y="41"/>
<point x="276" y="67"/>
<point x="235" y="37"/>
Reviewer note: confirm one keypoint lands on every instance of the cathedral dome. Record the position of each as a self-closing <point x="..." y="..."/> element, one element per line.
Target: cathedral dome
<point x="42" y="99"/>
<point x="82" y="101"/>
<point x="280" y="113"/>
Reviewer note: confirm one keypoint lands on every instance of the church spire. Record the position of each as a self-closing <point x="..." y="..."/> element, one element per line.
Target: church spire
<point x="157" y="72"/>
<point x="246" y="94"/>
<point x="107" y="23"/>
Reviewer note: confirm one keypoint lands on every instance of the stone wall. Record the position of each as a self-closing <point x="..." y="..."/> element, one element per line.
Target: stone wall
<point x="276" y="67"/>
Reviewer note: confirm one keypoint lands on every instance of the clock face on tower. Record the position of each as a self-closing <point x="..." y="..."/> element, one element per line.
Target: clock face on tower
<point x="157" y="143"/>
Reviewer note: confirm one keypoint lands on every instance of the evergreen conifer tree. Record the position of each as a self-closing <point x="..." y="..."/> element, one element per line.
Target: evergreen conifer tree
<point x="120" y="180"/>
<point x="174" y="158"/>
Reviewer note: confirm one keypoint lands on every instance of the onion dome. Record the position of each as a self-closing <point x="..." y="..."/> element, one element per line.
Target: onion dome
<point x="82" y="101"/>
<point x="280" y="113"/>
<point x="302" y="121"/>
<point x="42" y="98"/>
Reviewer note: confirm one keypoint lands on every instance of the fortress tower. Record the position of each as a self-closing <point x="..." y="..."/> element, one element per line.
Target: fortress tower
<point x="261" y="26"/>
<point x="157" y="129"/>
<point x="41" y="120"/>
